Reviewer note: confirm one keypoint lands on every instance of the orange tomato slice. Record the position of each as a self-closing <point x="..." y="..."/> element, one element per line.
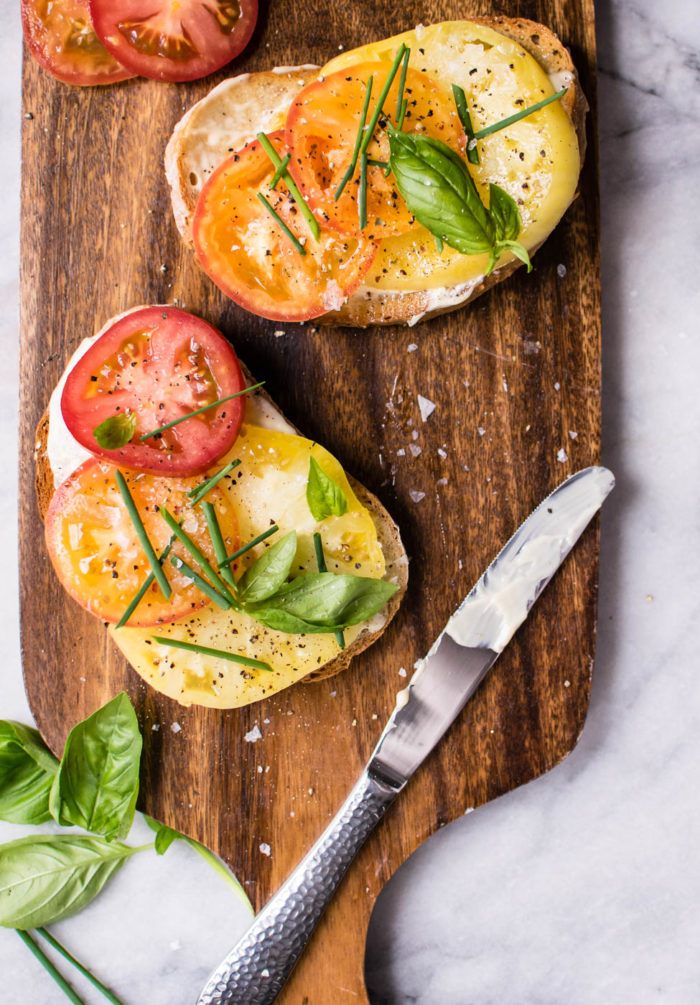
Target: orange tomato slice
<point x="321" y="130"/>
<point x="96" y="552"/>
<point x="243" y="249"/>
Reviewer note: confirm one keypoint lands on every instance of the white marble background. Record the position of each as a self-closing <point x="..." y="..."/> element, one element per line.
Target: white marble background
<point x="583" y="888"/>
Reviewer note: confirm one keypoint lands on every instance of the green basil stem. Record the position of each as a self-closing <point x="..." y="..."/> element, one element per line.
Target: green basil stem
<point x="273" y="213"/>
<point x="321" y="562"/>
<point x="196" y="553"/>
<point x="466" y="120"/>
<point x="199" y="491"/>
<point x="218" y="866"/>
<point x="400" y="110"/>
<point x="291" y="185"/>
<point x="87" y="974"/>
<point x="221" y="654"/>
<point x="145" y="586"/>
<point x="438" y="243"/>
<point x="382" y="98"/>
<point x="200" y="582"/>
<point x="251" y="544"/>
<point x="281" y="170"/>
<point x="198" y="411"/>
<point x="358" y="140"/>
<point x="49" y="967"/>
<point x="218" y="543"/>
<point x="155" y="565"/>
<point x="497" y="126"/>
<point x="362" y="197"/>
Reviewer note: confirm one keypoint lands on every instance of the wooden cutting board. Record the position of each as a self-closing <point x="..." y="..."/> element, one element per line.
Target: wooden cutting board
<point x="516" y="383"/>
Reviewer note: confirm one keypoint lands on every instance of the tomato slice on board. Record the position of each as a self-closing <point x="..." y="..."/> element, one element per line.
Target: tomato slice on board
<point x="60" y="35"/>
<point x="158" y="363"/>
<point x="98" y="557"/>
<point x="243" y="249"/>
<point x="321" y="130"/>
<point x="174" y="39"/>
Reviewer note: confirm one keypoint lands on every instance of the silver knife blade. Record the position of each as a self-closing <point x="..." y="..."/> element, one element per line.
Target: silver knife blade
<point x="484" y="623"/>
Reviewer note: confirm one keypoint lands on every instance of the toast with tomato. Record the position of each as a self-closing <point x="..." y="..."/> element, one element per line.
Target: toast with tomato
<point x="229" y="556"/>
<point x="399" y="181"/>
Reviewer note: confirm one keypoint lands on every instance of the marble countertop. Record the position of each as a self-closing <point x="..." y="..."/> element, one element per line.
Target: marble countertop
<point x="582" y="887"/>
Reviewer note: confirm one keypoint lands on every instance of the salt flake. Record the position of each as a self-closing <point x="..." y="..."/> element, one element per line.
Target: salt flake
<point x="427" y="407"/>
<point x="562" y="456"/>
<point x="416" y="496"/>
<point x="265" y="849"/>
<point x="254" y="735"/>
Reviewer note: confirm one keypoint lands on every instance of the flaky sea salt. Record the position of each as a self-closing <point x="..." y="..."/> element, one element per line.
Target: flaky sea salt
<point x="416" y="496"/>
<point x="562" y="456"/>
<point x="427" y="407"/>
<point x="176" y="727"/>
<point x="254" y="735"/>
<point x="265" y="849"/>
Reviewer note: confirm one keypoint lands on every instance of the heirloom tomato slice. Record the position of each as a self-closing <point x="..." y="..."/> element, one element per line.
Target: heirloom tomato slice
<point x="322" y="126"/>
<point x="61" y="37"/>
<point x="96" y="552"/>
<point x="154" y="365"/>
<point x="245" y="251"/>
<point x="174" y="39"/>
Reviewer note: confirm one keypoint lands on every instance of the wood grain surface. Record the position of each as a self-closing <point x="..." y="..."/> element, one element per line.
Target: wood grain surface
<point x="511" y="376"/>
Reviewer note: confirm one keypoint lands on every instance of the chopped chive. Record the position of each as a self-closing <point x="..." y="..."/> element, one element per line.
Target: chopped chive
<point x="273" y="212"/>
<point x="198" y="411"/>
<point x="218" y="653"/>
<point x="358" y="140"/>
<point x="438" y="243"/>
<point x="362" y="197"/>
<point x="196" y="553"/>
<point x="199" y="581"/>
<point x="378" y="164"/>
<point x="321" y="562"/>
<point x="199" y="491"/>
<point x="291" y="185"/>
<point x="382" y="98"/>
<point x="251" y="544"/>
<point x="49" y="967"/>
<point x="218" y="542"/>
<point x="402" y="114"/>
<point x="145" y="586"/>
<point x="55" y="944"/>
<point x="400" y="110"/>
<point x="281" y="171"/>
<point x="466" y="120"/>
<point x="520" y="115"/>
<point x="155" y="565"/>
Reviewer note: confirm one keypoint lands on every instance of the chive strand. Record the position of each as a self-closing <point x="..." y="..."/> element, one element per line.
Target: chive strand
<point x="358" y="141"/>
<point x="251" y="544"/>
<point x="136" y="520"/>
<point x="311" y="220"/>
<point x="199" y="491"/>
<point x="199" y="581"/>
<point x="87" y="974"/>
<point x="382" y="98"/>
<point x="145" y="586"/>
<point x="273" y="213"/>
<point x="198" y="411"/>
<point x="400" y="110"/>
<point x="217" y="541"/>
<point x="402" y="114"/>
<point x="49" y="967"/>
<point x="466" y="120"/>
<point x="497" y="126"/>
<point x="196" y="553"/>
<point x="217" y="653"/>
<point x="281" y="171"/>
<point x="321" y="562"/>
<point x="379" y="164"/>
<point x="362" y="198"/>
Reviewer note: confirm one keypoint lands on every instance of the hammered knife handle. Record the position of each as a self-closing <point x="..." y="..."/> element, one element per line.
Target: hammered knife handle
<point x="256" y="968"/>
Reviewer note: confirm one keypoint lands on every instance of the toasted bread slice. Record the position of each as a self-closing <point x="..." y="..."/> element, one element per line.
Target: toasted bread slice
<point x="237" y="109"/>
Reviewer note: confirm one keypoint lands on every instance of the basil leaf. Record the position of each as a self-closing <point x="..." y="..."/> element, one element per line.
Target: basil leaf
<point x="323" y="602"/>
<point x="27" y="769"/>
<point x="270" y="571"/>
<point x="116" y="430"/>
<point x="47" y="878"/>
<point x="504" y="213"/>
<point x="164" y="835"/>
<point x="98" y="780"/>
<point x="440" y="192"/>
<point x="324" y="496"/>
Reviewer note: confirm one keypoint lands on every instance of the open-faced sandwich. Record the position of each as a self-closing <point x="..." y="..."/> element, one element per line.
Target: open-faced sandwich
<point x="229" y="555"/>
<point x="397" y="182"/>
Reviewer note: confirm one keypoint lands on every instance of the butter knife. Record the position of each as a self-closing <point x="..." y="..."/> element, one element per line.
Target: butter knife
<point x="443" y="682"/>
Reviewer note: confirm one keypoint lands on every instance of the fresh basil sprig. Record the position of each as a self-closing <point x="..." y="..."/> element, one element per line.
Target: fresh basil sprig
<point x="324" y="496"/>
<point x="440" y="192"/>
<point x="116" y="430"/>
<point x="265" y="577"/>
<point x="322" y="602"/>
<point x="27" y="769"/>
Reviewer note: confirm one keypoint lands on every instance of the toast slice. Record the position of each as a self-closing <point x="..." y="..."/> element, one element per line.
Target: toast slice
<point x="231" y="115"/>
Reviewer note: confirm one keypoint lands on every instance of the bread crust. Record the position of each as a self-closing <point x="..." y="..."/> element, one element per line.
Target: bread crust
<point x="365" y="308"/>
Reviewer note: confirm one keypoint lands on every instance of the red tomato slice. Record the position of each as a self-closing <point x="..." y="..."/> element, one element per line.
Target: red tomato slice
<point x="158" y="363"/>
<point x="97" y="554"/>
<point x="61" y="37"/>
<point x="322" y="127"/>
<point x="174" y="39"/>
<point x="243" y="249"/>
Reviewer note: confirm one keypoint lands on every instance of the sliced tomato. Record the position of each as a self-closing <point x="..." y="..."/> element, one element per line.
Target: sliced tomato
<point x="322" y="127"/>
<point x="158" y="364"/>
<point x="96" y="552"/>
<point x="247" y="254"/>
<point x="60" y="35"/>
<point x="174" y="39"/>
